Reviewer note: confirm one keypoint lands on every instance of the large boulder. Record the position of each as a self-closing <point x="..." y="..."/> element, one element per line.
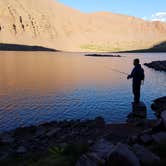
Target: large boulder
<point x="102" y="148"/>
<point x="146" y="138"/>
<point x="159" y="105"/>
<point x="159" y="138"/>
<point x="21" y="150"/>
<point x="53" y="132"/>
<point x="160" y="100"/>
<point x="158" y="126"/>
<point x="40" y="131"/>
<point x="146" y="157"/>
<point x="6" y="138"/>
<point x="99" y="121"/>
<point x="163" y="117"/>
<point x="139" y="109"/>
<point x="98" y="154"/>
<point x="90" y="159"/>
<point x="122" y="155"/>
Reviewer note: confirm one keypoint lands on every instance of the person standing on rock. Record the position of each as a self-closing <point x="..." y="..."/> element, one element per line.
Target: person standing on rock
<point x="138" y="76"/>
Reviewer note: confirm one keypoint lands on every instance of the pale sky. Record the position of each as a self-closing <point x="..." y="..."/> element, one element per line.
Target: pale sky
<point x="147" y="9"/>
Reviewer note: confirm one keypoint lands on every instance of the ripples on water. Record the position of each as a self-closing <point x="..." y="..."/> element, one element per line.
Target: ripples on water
<point x="37" y="87"/>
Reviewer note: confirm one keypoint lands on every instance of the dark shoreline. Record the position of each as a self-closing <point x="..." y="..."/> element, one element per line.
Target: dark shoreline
<point x="157" y="65"/>
<point x="19" y="47"/>
<point x="42" y="137"/>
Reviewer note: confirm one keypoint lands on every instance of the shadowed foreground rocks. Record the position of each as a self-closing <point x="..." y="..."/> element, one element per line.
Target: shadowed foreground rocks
<point x="135" y="144"/>
<point x="147" y="148"/>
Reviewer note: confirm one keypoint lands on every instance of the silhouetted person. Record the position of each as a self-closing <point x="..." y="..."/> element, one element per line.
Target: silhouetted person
<point x="138" y="76"/>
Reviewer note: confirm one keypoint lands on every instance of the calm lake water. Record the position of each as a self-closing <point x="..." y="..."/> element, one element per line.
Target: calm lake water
<point x="37" y="87"/>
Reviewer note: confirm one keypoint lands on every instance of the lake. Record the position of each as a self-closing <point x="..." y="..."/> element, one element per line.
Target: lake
<point x="38" y="87"/>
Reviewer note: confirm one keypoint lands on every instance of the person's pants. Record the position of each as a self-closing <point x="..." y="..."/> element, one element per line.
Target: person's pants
<point x="136" y="92"/>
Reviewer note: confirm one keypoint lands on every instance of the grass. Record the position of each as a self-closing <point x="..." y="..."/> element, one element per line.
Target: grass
<point x="95" y="47"/>
<point x="118" y="46"/>
<point x="55" y="156"/>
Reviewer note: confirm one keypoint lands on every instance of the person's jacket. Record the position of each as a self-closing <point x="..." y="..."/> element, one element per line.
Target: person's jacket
<point x="137" y="74"/>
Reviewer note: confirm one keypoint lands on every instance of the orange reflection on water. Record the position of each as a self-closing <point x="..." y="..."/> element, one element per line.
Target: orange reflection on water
<point x="45" y="71"/>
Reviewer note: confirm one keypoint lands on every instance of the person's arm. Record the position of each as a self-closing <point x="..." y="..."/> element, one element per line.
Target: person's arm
<point x="130" y="75"/>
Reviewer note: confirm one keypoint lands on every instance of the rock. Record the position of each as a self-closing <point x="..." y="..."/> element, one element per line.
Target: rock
<point x="159" y="105"/>
<point x="63" y="145"/>
<point x="139" y="109"/>
<point x="158" y="126"/>
<point x="159" y="138"/>
<point x="146" y="157"/>
<point x="141" y="122"/>
<point x="90" y="142"/>
<point x="146" y="138"/>
<point x="136" y="119"/>
<point x="163" y="117"/>
<point x="154" y="106"/>
<point x="122" y="155"/>
<point x="40" y="131"/>
<point x="102" y="148"/>
<point x="161" y="100"/>
<point x="100" y="122"/>
<point x="139" y="106"/>
<point x="90" y="159"/>
<point x="138" y="114"/>
<point x="21" y="150"/>
<point x="131" y="118"/>
<point x="52" y="132"/>
<point x="133" y="139"/>
<point x="130" y="115"/>
<point x="103" y="55"/>
<point x="157" y="65"/>
<point x="3" y="155"/>
<point x="6" y="139"/>
<point x="147" y="131"/>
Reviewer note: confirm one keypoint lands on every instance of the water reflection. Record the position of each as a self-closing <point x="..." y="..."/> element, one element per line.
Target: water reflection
<point x="39" y="86"/>
<point x="41" y="72"/>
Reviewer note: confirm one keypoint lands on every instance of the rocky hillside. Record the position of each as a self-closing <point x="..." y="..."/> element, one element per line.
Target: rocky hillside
<point x="51" y="24"/>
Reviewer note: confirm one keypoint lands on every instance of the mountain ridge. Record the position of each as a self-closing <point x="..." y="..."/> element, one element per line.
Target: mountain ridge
<point x="51" y="24"/>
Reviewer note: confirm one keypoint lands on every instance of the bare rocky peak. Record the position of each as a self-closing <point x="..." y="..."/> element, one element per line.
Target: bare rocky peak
<point x="51" y="24"/>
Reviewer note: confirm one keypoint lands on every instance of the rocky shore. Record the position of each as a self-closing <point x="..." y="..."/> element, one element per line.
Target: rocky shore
<point x="146" y="148"/>
<point x="103" y="55"/>
<point x="88" y="143"/>
<point x="157" y="65"/>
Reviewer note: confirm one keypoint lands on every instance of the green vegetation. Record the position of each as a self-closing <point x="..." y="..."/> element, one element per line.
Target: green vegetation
<point x="95" y="47"/>
<point x="55" y="156"/>
<point x="134" y="46"/>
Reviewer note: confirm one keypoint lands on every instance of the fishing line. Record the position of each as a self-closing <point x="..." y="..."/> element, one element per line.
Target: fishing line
<point x="118" y="71"/>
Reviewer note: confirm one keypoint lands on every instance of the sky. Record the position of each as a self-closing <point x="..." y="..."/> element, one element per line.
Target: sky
<point x="146" y="9"/>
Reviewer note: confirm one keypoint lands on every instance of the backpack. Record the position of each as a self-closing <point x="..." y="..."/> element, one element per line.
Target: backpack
<point x="142" y="74"/>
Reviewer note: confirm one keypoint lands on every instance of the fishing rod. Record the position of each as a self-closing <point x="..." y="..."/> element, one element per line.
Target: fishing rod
<point x="118" y="71"/>
<point x="115" y="70"/>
